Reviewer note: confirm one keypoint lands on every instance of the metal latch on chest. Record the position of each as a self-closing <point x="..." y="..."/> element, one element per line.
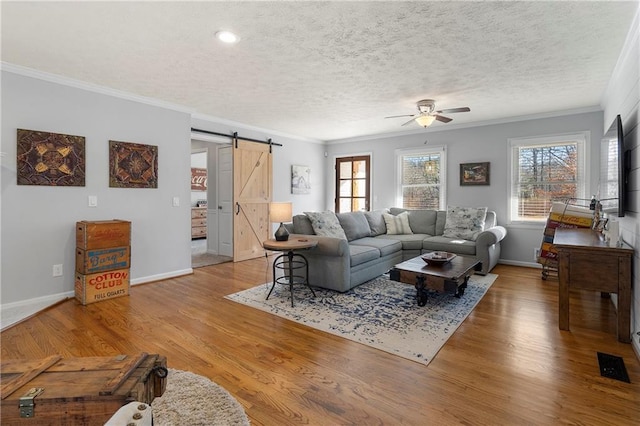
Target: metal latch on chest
<point x="27" y="403"/>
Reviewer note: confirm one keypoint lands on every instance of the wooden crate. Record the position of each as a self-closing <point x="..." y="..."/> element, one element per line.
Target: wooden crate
<point x="97" y="260"/>
<point x="103" y="234"/>
<point x="90" y="288"/>
<point x="78" y="391"/>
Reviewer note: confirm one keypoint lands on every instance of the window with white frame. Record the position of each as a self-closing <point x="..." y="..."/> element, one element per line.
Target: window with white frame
<point x="421" y="178"/>
<point x="544" y="170"/>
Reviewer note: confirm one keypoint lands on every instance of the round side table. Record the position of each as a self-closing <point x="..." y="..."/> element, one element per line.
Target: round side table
<point x="290" y="262"/>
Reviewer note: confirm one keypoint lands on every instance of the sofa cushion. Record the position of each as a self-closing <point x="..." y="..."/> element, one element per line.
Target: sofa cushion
<point x="397" y="224"/>
<point x="326" y="224"/>
<point x="464" y="222"/>
<point x="376" y="222"/>
<point x="302" y="225"/>
<point x="452" y="245"/>
<point x="386" y="246"/>
<point x="354" y="224"/>
<point x="361" y="254"/>
<point x="409" y="242"/>
<point x="420" y="221"/>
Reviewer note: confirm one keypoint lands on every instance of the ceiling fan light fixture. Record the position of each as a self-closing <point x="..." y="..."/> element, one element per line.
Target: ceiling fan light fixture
<point x="425" y="120"/>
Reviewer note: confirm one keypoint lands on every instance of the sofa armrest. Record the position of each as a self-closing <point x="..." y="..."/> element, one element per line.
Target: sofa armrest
<point x="491" y="236"/>
<point x="327" y="246"/>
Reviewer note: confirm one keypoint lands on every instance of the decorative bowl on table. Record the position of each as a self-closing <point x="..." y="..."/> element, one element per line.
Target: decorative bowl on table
<point x="438" y="257"/>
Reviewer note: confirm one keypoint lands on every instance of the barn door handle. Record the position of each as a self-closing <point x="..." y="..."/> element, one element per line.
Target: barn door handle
<point x="237" y="208"/>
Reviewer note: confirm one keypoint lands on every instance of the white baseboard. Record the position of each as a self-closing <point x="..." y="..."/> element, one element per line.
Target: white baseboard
<point x="159" y="277"/>
<point x="518" y="263"/>
<point x="12" y="313"/>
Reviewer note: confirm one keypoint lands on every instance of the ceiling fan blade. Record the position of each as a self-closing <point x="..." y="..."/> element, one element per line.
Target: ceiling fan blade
<point x="452" y="110"/>
<point x="443" y="118"/>
<point x="410" y="121"/>
<point x="404" y="115"/>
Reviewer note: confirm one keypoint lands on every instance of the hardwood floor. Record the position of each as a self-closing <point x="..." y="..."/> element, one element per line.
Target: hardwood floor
<point x="508" y="363"/>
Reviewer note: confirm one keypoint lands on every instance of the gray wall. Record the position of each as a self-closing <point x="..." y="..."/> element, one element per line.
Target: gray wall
<point x="470" y="145"/>
<point x="623" y="97"/>
<point x="38" y="223"/>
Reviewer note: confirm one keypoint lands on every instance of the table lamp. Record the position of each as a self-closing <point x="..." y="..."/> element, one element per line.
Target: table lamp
<point x="280" y="212"/>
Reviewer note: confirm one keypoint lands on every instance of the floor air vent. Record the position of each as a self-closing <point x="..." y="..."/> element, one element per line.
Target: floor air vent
<point x="612" y="366"/>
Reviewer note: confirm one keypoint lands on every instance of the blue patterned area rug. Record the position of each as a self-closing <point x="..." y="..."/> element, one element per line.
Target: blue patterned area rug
<point x="380" y="313"/>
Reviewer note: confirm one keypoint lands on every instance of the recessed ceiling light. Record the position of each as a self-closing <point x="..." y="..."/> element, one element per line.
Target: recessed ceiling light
<point x="227" y="37"/>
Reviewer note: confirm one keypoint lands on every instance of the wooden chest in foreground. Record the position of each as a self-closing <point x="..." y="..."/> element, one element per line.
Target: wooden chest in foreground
<point x="77" y="391"/>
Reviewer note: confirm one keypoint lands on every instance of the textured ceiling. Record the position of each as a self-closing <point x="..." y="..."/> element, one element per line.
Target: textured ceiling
<point x="330" y="70"/>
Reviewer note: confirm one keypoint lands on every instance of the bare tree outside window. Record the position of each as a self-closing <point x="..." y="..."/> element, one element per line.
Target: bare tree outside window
<point x="421" y="179"/>
<point x="545" y="173"/>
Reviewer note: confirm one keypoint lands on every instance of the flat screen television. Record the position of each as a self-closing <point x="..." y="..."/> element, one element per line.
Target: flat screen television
<point x="613" y="173"/>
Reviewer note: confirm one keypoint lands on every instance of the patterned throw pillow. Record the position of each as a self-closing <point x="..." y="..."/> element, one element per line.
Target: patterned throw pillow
<point x="464" y="222"/>
<point x="326" y="224"/>
<point x="397" y="225"/>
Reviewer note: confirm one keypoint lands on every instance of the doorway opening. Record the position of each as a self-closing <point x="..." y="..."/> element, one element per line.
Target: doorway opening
<point x="204" y="212"/>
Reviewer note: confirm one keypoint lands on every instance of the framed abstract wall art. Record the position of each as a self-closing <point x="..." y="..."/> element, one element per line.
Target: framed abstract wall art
<point x="50" y="159"/>
<point x="474" y="174"/>
<point x="133" y="165"/>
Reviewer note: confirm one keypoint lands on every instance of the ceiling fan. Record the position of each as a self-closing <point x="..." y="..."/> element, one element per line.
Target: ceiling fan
<point x="427" y="113"/>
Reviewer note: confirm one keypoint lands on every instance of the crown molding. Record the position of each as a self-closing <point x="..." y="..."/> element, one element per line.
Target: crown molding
<point x="628" y="48"/>
<point x="271" y="132"/>
<point x="78" y="84"/>
<point x="552" y="114"/>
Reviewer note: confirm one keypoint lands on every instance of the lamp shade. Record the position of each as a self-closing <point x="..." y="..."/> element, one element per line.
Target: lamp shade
<point x="280" y="212"/>
<point x="425" y="120"/>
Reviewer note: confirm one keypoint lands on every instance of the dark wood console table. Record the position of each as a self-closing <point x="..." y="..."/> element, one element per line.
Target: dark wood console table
<point x="587" y="262"/>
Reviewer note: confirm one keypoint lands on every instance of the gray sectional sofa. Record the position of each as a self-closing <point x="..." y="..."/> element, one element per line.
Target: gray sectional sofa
<point x="366" y="250"/>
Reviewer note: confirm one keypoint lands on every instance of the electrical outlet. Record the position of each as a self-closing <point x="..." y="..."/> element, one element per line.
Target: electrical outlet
<point x="176" y="202"/>
<point x="536" y="253"/>
<point x="57" y="270"/>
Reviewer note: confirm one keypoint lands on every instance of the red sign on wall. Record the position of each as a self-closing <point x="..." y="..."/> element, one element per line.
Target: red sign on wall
<point x="198" y="179"/>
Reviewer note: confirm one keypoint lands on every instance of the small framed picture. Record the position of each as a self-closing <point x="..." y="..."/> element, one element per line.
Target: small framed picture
<point x="300" y="179"/>
<point x="474" y="174"/>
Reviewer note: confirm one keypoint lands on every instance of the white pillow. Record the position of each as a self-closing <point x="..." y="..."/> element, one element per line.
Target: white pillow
<point x="326" y="224"/>
<point x="397" y="225"/>
<point x="464" y="222"/>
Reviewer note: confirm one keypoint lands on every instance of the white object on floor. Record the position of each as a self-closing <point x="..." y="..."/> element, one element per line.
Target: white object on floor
<point x="134" y="413"/>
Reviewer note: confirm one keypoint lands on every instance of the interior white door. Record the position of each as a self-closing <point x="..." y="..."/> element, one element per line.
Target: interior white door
<point x="225" y="201"/>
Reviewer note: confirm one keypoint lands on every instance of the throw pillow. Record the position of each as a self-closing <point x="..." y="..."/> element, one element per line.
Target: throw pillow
<point x="397" y="225"/>
<point x="326" y="224"/>
<point x="376" y="222"/>
<point x="302" y="225"/>
<point x="464" y="222"/>
<point x="354" y="225"/>
<point x="421" y="221"/>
